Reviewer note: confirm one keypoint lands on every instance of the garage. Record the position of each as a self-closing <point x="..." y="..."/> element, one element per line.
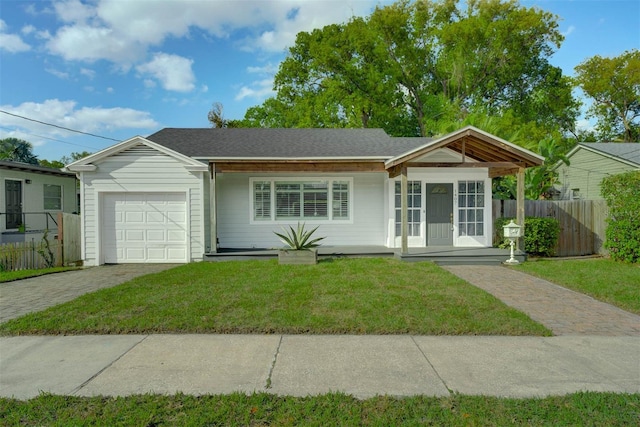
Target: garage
<point x="144" y="227"/>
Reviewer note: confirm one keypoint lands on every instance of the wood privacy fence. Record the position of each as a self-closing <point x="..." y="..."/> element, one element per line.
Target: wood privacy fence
<point x="69" y="235"/>
<point x="582" y="222"/>
<point x="59" y="249"/>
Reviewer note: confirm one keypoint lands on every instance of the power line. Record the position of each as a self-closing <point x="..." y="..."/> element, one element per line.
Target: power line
<point x="45" y="137"/>
<point x="59" y="127"/>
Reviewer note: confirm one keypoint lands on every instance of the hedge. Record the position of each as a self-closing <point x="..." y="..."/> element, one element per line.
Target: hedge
<point x="540" y="237"/>
<point x="622" y="194"/>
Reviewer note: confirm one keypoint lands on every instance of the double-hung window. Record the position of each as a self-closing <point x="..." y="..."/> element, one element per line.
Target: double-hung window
<point x="52" y="197"/>
<point x="283" y="200"/>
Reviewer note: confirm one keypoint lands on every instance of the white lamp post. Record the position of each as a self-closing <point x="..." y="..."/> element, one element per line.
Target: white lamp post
<point x="512" y="231"/>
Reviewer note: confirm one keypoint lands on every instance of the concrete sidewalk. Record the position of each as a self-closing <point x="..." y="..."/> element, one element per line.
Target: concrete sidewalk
<point x="300" y="365"/>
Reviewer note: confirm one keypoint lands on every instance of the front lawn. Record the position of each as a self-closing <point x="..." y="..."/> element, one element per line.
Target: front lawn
<point x="337" y="296"/>
<point x="588" y="408"/>
<point x="613" y="282"/>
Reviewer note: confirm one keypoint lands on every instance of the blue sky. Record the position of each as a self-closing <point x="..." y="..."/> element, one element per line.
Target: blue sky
<point x="117" y="68"/>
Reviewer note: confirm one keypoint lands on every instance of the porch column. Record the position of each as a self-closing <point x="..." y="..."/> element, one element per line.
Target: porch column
<point x="213" y="234"/>
<point x="404" y="221"/>
<point x="520" y="205"/>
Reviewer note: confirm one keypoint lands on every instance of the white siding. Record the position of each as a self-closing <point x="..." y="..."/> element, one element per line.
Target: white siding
<point x="33" y="197"/>
<point x="141" y="170"/>
<point x="586" y="172"/>
<point x="236" y="230"/>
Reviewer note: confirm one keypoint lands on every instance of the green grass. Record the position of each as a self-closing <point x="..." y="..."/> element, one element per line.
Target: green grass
<point x="338" y="296"/>
<point x="588" y="408"/>
<point x="605" y="280"/>
<point x="8" y="276"/>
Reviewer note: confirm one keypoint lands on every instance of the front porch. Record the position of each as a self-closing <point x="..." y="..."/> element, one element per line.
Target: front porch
<point x="441" y="255"/>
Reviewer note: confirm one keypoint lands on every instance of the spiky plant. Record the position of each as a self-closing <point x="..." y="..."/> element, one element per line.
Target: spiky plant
<point x="298" y="238"/>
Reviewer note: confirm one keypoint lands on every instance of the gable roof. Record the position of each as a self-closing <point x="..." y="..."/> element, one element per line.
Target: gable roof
<point x="26" y="167"/>
<point x="626" y="152"/>
<point x="88" y="163"/>
<point x="284" y="144"/>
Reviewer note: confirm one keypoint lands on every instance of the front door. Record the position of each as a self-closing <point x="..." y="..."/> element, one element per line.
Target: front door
<point x="439" y="214"/>
<point x="13" y="198"/>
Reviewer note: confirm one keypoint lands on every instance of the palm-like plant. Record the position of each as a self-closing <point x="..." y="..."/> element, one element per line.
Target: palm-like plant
<point x="298" y="238"/>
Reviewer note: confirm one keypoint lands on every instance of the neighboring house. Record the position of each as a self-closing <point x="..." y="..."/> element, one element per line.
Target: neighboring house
<point x="590" y="163"/>
<point x="181" y="193"/>
<point x="32" y="197"/>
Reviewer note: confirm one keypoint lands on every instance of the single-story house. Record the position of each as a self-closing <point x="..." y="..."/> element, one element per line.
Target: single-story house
<point x="32" y="197"/>
<point x="181" y="193"/>
<point x="590" y="163"/>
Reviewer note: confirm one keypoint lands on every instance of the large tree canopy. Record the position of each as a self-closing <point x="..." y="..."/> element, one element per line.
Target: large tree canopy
<point x="412" y="68"/>
<point x="17" y="150"/>
<point x="614" y="86"/>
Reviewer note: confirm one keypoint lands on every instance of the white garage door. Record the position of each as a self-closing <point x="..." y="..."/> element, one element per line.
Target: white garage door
<point x="144" y="227"/>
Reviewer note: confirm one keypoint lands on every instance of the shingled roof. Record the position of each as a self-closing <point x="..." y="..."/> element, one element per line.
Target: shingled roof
<point x="260" y="143"/>
<point x="629" y="151"/>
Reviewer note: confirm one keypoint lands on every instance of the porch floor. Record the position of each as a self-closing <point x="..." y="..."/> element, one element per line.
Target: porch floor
<point x="443" y="255"/>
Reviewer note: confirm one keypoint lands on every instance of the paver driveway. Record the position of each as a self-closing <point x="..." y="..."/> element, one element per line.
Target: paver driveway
<point x="37" y="293"/>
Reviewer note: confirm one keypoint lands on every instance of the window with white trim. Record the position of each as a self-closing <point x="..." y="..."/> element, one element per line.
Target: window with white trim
<point x="283" y="200"/>
<point x="52" y="197"/>
<point x="471" y="208"/>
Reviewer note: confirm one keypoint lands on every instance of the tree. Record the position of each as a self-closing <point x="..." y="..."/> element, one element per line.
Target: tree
<point x="64" y="160"/>
<point x="411" y="66"/>
<point x="216" y="117"/>
<point x="17" y="150"/>
<point x="614" y="86"/>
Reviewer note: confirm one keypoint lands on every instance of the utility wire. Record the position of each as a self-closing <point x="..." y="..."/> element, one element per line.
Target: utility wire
<point x="59" y="127"/>
<point x="45" y="137"/>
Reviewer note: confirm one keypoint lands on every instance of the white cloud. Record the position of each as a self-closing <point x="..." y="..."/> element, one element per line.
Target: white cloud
<point x="88" y="73"/>
<point x="569" y="30"/>
<point x="258" y="90"/>
<point x="85" y="43"/>
<point x="66" y="114"/>
<point x="73" y="11"/>
<point x="28" y="29"/>
<point x="11" y="43"/>
<point x="59" y="74"/>
<point x="172" y="71"/>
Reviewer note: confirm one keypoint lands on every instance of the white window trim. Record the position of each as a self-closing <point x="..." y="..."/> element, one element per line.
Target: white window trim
<point x="61" y="198"/>
<point x="330" y="180"/>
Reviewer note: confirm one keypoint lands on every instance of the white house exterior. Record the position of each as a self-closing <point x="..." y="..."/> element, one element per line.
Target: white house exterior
<point x="31" y="199"/>
<point x="181" y="193"/>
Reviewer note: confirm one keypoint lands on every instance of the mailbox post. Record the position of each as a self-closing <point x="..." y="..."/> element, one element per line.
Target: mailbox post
<point x="512" y="231"/>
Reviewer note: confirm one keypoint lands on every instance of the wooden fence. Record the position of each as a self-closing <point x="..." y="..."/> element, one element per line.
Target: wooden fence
<point x="582" y="222"/>
<point x="59" y="249"/>
<point x="29" y="255"/>
<point x="69" y="235"/>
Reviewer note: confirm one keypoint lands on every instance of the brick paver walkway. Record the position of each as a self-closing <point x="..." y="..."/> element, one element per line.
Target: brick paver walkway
<point x="562" y="310"/>
<point x="24" y="296"/>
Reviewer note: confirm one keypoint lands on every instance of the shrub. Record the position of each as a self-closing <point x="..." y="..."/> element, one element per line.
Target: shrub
<point x="622" y="194"/>
<point x="540" y="237"/>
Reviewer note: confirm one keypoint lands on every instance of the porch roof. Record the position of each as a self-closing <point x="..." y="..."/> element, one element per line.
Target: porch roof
<point x="476" y="148"/>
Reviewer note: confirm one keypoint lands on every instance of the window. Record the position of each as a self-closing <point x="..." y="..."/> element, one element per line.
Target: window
<point x="262" y="200"/>
<point x="414" y="207"/>
<point x="471" y="208"/>
<point x="52" y="197"/>
<point x="300" y="200"/>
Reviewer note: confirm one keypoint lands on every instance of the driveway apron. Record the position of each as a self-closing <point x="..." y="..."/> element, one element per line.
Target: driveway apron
<point x="562" y="310"/>
<point x="20" y="297"/>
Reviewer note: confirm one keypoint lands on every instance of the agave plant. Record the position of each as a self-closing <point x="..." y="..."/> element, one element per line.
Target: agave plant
<point x="299" y="239"/>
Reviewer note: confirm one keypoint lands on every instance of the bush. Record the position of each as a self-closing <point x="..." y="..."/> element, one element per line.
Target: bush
<point x="540" y="237"/>
<point x="622" y="194"/>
